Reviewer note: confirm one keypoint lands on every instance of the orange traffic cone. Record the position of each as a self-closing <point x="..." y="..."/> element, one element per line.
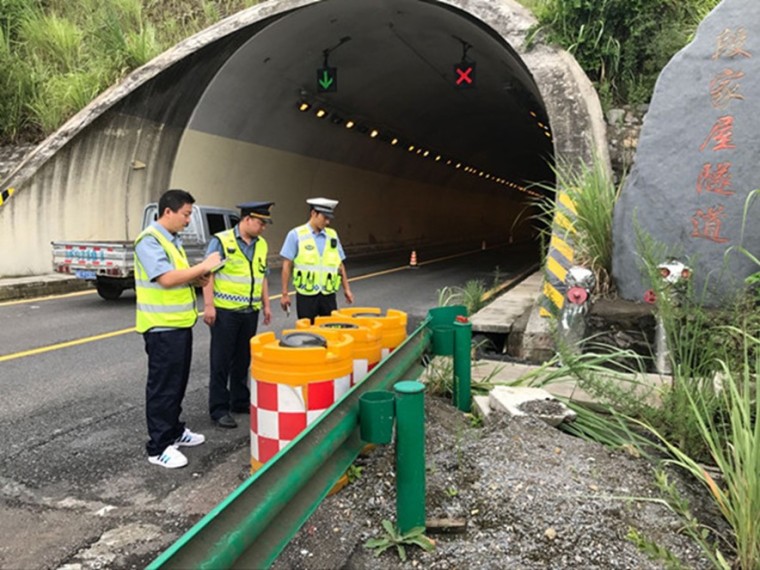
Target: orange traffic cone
<point x="413" y="259"/>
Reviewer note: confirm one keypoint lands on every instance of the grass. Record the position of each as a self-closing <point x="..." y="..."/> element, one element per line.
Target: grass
<point x="593" y="194"/>
<point x="732" y="438"/>
<point x="471" y="295"/>
<point x="58" y="55"/>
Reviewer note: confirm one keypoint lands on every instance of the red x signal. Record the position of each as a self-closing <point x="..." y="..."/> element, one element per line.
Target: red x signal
<point x="464" y="75"/>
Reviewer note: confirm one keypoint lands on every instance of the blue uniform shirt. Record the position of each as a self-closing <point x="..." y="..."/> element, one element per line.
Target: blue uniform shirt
<point x="290" y="245"/>
<point x="216" y="245"/>
<point x="152" y="255"/>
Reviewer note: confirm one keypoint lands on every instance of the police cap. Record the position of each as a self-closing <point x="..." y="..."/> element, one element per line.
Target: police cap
<point x="323" y="206"/>
<point x="257" y="210"/>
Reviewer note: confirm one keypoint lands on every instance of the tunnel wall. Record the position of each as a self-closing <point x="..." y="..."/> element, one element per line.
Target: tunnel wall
<point x="83" y="183"/>
<point x="377" y="212"/>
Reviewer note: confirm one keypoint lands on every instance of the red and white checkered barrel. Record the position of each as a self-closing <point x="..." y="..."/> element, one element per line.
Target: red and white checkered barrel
<point x="393" y="324"/>
<point x="367" y="335"/>
<point x="293" y="381"/>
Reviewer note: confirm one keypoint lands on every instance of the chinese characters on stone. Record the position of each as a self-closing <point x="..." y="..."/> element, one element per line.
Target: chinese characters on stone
<point x="715" y="178"/>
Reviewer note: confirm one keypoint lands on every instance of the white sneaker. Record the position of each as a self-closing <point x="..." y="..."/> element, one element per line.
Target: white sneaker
<point x="171" y="458"/>
<point x="189" y="439"/>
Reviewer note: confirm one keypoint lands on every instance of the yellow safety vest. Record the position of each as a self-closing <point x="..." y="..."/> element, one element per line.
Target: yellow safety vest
<point x="312" y="273"/>
<point x="238" y="285"/>
<point x="158" y="306"/>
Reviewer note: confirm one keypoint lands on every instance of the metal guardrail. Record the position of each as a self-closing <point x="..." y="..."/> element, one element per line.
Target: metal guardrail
<point x="255" y="522"/>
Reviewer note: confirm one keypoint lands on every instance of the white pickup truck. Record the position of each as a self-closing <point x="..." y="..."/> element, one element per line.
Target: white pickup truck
<point x="110" y="264"/>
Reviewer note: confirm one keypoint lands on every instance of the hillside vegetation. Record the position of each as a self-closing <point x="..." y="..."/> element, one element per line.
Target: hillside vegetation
<point x="57" y="55"/>
<point x="621" y="44"/>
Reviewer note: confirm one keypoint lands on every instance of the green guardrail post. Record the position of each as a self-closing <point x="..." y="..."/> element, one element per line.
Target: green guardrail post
<point x="410" y="454"/>
<point x="462" y="364"/>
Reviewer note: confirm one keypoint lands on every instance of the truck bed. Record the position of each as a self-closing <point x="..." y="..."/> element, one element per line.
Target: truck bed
<point x="91" y="259"/>
<point x="88" y="259"/>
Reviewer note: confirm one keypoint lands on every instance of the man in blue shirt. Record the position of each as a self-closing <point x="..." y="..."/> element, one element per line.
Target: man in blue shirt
<point x="166" y="313"/>
<point x="313" y="255"/>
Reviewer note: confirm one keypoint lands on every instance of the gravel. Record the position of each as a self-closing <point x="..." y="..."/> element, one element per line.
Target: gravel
<point x="531" y="495"/>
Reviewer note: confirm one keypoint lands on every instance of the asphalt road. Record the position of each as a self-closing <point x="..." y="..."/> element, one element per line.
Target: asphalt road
<point x="72" y="427"/>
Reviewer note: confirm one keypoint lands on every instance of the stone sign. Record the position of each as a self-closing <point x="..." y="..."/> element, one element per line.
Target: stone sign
<point x="698" y="160"/>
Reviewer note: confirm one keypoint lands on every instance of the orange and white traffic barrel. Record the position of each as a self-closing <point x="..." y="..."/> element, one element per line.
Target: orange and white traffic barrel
<point x="293" y="381"/>
<point x="367" y="335"/>
<point x="393" y="324"/>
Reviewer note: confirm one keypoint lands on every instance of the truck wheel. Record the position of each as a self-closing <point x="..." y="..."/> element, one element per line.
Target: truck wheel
<point x="108" y="291"/>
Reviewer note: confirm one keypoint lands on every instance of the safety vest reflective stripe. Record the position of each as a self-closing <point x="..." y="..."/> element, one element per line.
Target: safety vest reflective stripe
<point x="239" y="284"/>
<point x="236" y="299"/>
<point x="314" y="273"/>
<point x="234" y="279"/>
<point x="163" y="308"/>
<point x="147" y="284"/>
<point x="158" y="306"/>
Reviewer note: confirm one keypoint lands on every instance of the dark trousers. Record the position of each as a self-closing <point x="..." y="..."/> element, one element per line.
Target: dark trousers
<point x="169" y="356"/>
<point x="230" y="360"/>
<point x="319" y="305"/>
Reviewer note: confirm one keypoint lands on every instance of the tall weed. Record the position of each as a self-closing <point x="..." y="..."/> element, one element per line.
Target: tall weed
<point x="732" y="438"/>
<point x="592" y="194"/>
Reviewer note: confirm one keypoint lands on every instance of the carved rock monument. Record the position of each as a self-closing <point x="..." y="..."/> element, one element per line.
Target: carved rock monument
<point x="698" y="160"/>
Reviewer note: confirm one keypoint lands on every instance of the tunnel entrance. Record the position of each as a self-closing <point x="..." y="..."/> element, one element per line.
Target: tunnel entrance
<point x="428" y="120"/>
<point x="418" y="117"/>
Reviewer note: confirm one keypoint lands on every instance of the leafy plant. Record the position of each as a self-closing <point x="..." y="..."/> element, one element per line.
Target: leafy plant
<point x="354" y="473"/>
<point x="654" y="550"/>
<point x="392" y="537"/>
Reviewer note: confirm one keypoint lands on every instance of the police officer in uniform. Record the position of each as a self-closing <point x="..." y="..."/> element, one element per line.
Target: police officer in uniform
<point x="166" y="313"/>
<point x="233" y="298"/>
<point x="313" y="255"/>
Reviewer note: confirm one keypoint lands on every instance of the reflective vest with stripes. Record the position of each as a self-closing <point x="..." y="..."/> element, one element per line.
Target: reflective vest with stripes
<point x="238" y="285"/>
<point x="314" y="273"/>
<point x="159" y="306"/>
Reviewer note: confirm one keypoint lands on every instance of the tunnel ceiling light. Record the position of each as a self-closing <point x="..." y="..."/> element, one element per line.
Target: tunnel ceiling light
<point x="337" y="119"/>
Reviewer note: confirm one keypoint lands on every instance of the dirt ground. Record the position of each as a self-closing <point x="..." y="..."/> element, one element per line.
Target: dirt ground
<point x="531" y="496"/>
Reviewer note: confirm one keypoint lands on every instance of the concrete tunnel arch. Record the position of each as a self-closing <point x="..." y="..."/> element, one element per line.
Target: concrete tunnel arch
<point x="219" y="116"/>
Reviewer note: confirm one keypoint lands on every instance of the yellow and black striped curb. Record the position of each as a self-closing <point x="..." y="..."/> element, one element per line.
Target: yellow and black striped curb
<point x="5" y="195"/>
<point x="560" y="256"/>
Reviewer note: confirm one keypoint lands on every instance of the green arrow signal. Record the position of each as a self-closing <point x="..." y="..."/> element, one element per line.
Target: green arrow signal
<point x="326" y="80"/>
